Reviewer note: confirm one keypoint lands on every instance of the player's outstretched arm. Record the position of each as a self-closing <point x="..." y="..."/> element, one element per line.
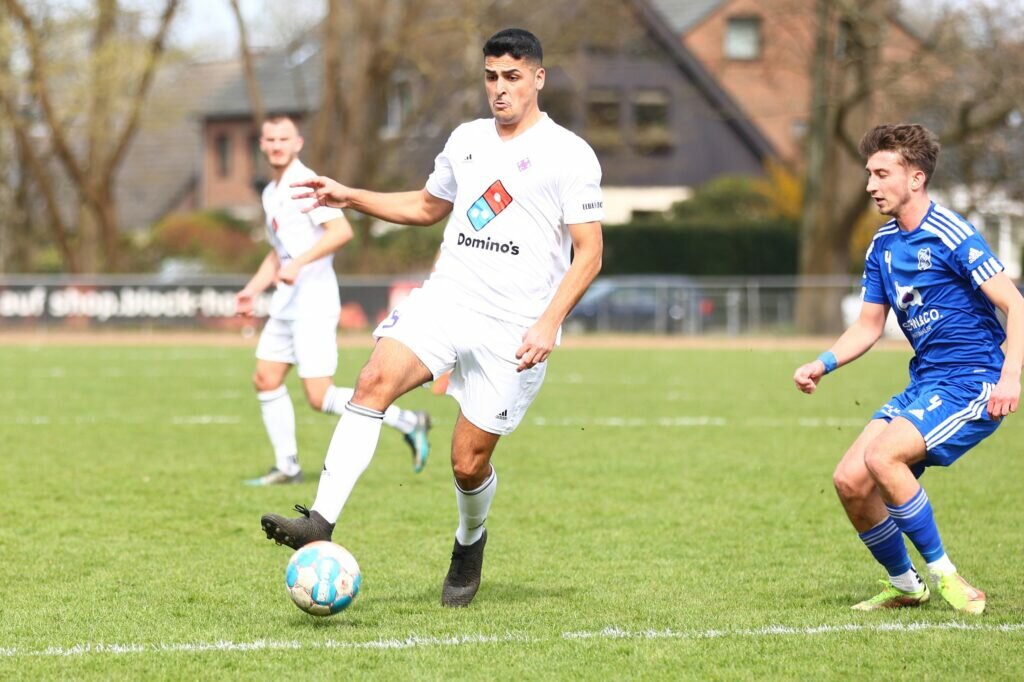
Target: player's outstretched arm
<point x="854" y="342"/>
<point x="337" y="232"/>
<point x="264" y="277"/>
<point x="1004" y="295"/>
<point x="403" y="208"/>
<point x="539" y="340"/>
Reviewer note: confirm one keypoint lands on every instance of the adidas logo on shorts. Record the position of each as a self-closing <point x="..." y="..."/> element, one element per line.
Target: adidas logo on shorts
<point x="503" y="415"/>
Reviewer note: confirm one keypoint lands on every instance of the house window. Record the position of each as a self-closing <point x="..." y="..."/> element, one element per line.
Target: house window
<point x="604" y="119"/>
<point x="843" y="35"/>
<point x="255" y="154"/>
<point x="653" y="133"/>
<point x="743" y="38"/>
<point x="222" y="148"/>
<point x="398" y="107"/>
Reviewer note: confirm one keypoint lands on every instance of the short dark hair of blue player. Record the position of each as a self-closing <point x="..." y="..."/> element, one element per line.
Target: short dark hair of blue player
<point x="517" y="43"/>
<point x="918" y="146"/>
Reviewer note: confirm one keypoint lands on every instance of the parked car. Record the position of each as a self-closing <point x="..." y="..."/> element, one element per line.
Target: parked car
<point x="640" y="303"/>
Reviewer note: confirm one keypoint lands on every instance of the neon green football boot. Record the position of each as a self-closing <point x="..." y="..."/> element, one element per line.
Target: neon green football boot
<point x="960" y="594"/>
<point x="893" y="597"/>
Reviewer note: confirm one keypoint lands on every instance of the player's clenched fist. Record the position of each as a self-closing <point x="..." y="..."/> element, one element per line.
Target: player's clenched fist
<point x="324" y="192"/>
<point x="807" y="376"/>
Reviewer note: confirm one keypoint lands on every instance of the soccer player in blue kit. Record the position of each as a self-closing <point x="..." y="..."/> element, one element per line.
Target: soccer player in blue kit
<point x="938" y="274"/>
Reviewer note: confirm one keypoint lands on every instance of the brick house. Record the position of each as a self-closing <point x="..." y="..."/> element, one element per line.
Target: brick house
<point x="760" y="52"/>
<point x="658" y="120"/>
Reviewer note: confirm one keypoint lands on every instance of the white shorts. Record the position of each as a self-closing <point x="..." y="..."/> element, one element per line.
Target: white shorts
<point x="479" y="349"/>
<point x="311" y="344"/>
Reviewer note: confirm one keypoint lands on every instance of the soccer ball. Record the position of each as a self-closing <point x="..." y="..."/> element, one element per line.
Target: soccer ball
<point x="322" y="578"/>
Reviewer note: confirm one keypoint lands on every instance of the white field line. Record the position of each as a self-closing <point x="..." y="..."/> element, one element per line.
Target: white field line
<point x="677" y="422"/>
<point x="416" y="641"/>
<point x="691" y="421"/>
<point x="207" y="419"/>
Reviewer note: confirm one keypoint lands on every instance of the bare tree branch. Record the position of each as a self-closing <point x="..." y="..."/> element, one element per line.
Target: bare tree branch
<point x="251" y="84"/>
<point x="40" y="87"/>
<point x="154" y="52"/>
<point x="43" y="183"/>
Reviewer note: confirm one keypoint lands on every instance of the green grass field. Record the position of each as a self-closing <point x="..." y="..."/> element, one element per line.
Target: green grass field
<point x="660" y="515"/>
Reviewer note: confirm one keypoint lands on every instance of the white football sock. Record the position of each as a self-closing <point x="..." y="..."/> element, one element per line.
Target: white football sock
<point x="908" y="582"/>
<point x="403" y="420"/>
<point x="348" y="455"/>
<point x="337" y="397"/>
<point x="279" y="420"/>
<point x="473" y="508"/>
<point x="941" y="566"/>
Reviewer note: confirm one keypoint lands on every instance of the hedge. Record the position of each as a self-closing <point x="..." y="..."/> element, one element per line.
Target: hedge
<point x="761" y="248"/>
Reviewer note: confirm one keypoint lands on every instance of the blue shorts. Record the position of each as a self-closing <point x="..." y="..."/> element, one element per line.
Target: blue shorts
<point x="952" y="416"/>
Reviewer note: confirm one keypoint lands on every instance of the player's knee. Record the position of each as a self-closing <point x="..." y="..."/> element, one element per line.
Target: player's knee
<point x="877" y="459"/>
<point x="315" y="401"/>
<point x="470" y="472"/>
<point x="262" y="382"/>
<point x="850" y="484"/>
<point x="370" y="379"/>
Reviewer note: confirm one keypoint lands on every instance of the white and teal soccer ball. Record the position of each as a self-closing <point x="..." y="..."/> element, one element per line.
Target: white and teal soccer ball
<point x="322" y="578"/>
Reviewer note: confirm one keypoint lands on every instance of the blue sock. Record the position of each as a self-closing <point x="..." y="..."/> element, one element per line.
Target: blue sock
<point x="886" y="544"/>
<point x="916" y="520"/>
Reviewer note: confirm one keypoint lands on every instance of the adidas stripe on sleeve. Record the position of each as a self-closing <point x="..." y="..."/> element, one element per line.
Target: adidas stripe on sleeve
<point x="972" y="255"/>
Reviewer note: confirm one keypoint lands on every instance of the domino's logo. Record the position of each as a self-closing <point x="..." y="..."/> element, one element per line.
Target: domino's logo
<point x="494" y="200"/>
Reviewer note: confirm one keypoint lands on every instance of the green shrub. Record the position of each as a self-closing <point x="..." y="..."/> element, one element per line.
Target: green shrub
<point x="221" y="242"/>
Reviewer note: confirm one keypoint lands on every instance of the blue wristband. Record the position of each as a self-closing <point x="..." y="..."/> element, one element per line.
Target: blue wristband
<point x="828" y="358"/>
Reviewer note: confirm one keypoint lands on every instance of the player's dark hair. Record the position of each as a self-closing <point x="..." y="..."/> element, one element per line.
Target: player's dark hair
<point x="278" y="116"/>
<point x="516" y="42"/>
<point x="918" y="146"/>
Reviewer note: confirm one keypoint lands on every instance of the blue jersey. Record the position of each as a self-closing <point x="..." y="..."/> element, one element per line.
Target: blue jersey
<point x="930" y="277"/>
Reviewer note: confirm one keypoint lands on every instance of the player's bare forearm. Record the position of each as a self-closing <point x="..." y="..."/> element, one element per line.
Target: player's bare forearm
<point x="1004" y="295"/>
<point x="1014" y="339"/>
<point x="245" y="300"/>
<point x="265" y="274"/>
<point x="337" y="233"/>
<point x="539" y="339"/>
<point x="1005" y="396"/>
<point x="588" y="248"/>
<point x="403" y="208"/>
<point x="853" y="343"/>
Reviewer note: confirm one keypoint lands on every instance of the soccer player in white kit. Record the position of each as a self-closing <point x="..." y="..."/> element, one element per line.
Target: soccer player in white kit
<point x="521" y="191"/>
<point x="304" y="310"/>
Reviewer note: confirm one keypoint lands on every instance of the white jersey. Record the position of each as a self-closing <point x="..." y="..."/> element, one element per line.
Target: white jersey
<point x="291" y="233"/>
<point x="506" y="246"/>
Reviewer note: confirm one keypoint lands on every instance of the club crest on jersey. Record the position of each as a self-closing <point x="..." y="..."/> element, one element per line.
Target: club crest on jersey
<point x="907" y="296"/>
<point x="924" y="259"/>
<point x="495" y="199"/>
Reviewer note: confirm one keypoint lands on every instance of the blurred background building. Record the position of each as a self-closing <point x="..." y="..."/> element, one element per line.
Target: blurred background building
<point x="726" y="130"/>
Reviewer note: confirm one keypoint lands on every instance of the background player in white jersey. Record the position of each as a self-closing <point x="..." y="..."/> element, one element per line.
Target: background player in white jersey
<point x="521" y="191"/>
<point x="304" y="310"/>
<point x="937" y="273"/>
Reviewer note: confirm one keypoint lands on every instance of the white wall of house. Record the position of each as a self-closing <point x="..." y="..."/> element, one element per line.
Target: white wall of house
<point x="999" y="218"/>
<point x="621" y="202"/>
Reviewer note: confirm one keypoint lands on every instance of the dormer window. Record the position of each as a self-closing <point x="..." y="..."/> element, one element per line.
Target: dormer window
<point x="743" y="38"/>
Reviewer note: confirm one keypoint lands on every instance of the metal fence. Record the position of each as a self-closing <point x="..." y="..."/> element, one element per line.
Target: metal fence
<point x="689" y="305"/>
<point x="630" y="304"/>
